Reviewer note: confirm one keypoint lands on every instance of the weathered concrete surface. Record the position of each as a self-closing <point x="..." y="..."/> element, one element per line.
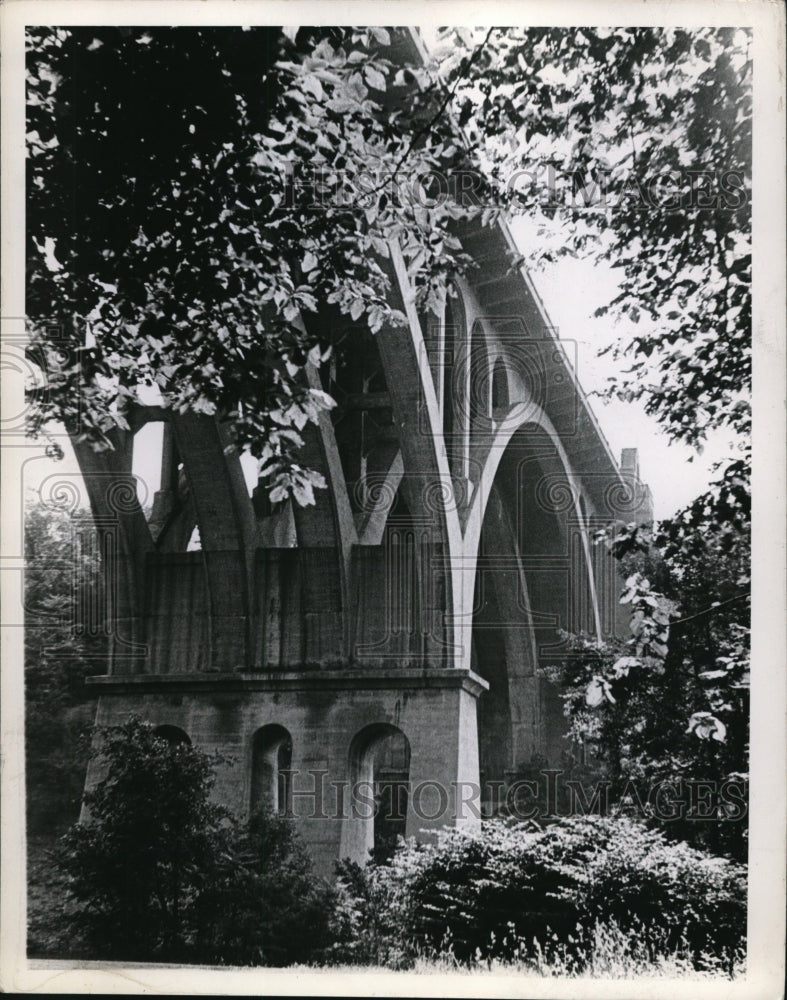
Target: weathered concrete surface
<point x="324" y="712"/>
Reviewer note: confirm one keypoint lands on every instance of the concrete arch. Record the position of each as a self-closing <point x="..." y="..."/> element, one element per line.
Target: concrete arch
<point x="419" y="421"/>
<point x="380" y="500"/>
<point x="504" y="649"/>
<point x="522" y="415"/>
<point x="456" y="408"/>
<point x="360" y="832"/>
<point x="500" y="391"/>
<point x="125" y="541"/>
<point x="225" y="518"/>
<point x="173" y="735"/>
<point x="271" y="757"/>
<point x="532" y="574"/>
<point x="479" y="385"/>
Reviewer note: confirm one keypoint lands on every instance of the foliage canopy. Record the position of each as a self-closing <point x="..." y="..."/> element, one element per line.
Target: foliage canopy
<point x="197" y="196"/>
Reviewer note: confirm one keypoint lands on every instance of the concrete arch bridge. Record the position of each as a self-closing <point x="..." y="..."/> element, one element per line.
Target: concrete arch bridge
<point x="385" y="643"/>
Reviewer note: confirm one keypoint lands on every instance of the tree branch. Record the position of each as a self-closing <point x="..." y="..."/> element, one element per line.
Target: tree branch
<point x="444" y="104"/>
<point x="710" y="610"/>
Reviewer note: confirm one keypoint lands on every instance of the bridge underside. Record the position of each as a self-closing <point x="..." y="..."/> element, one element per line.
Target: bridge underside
<point x="386" y="643"/>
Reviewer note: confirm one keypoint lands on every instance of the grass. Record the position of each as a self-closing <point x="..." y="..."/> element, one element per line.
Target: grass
<point x="611" y="952"/>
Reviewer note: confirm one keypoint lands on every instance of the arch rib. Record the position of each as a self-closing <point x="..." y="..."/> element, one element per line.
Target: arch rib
<point x="530" y="414"/>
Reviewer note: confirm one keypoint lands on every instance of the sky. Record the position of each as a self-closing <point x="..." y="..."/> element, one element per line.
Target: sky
<point x="572" y="290"/>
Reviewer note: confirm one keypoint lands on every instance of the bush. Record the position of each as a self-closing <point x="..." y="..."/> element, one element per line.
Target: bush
<point x="295" y="904"/>
<point x="513" y="892"/>
<point x="159" y="873"/>
<point x="151" y="845"/>
<point x="268" y="907"/>
<point x="373" y="910"/>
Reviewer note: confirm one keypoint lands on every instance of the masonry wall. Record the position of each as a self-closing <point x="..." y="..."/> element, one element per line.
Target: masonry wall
<point x="324" y="715"/>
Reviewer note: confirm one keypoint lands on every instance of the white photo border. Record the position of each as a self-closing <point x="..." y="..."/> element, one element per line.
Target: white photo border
<point x="768" y="815"/>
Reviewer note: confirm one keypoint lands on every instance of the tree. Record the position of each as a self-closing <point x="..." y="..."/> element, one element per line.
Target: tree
<point x="152" y="841"/>
<point x="189" y="245"/>
<point x="637" y="143"/>
<point x="668" y="708"/>
<point x="152" y="848"/>
<point x="158" y="872"/>
<point x="253" y="175"/>
<point x="296" y="904"/>
<point x="63" y="645"/>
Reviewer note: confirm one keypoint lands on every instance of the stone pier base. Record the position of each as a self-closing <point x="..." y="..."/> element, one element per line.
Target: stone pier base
<point x="333" y="720"/>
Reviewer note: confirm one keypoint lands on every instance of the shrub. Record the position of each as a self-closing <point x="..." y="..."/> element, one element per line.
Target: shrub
<point x="152" y="844"/>
<point x="513" y="891"/>
<point x="373" y="910"/>
<point x="268" y="907"/>
<point x="159" y="873"/>
<point x="295" y="904"/>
